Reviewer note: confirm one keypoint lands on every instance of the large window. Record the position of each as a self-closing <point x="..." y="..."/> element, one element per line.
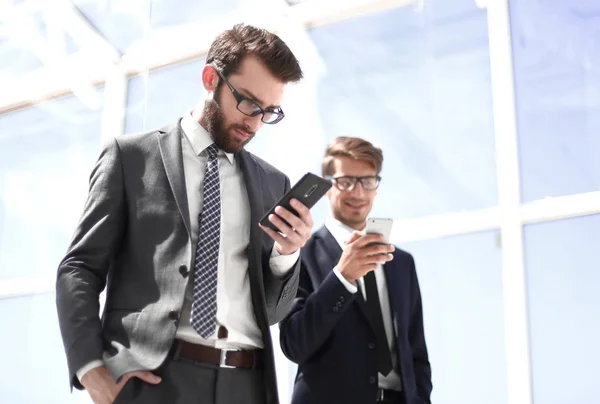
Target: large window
<point x="416" y="83"/>
<point x="46" y="154"/>
<point x="496" y="193"/>
<point x="461" y="287"/>
<point x="33" y="368"/>
<point x="557" y="87"/>
<point x="158" y="99"/>
<point x="562" y="284"/>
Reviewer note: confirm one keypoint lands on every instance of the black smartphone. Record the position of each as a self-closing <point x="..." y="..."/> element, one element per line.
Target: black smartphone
<point x="308" y="190"/>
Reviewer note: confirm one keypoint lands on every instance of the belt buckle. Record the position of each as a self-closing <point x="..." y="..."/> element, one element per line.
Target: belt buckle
<point x="223" y="361"/>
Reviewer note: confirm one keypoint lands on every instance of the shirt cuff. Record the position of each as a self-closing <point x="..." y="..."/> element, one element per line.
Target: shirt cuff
<point x="281" y="264"/>
<point x="92" y="365"/>
<point x="350" y="287"/>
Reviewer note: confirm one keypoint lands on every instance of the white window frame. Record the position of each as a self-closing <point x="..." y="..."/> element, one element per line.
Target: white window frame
<point x="508" y="217"/>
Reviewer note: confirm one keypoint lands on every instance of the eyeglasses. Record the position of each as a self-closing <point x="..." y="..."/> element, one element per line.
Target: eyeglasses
<point x="347" y="183"/>
<point x="250" y="108"/>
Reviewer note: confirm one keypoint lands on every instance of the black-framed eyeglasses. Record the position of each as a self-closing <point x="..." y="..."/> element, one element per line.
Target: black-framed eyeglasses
<point x="250" y="108"/>
<point x="347" y="183"/>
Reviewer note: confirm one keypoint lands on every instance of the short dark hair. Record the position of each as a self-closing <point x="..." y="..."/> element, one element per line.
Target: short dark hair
<point x="354" y="148"/>
<point x="233" y="45"/>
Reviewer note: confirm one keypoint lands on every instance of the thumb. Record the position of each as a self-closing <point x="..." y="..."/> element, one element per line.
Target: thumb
<point x="353" y="237"/>
<point x="148" y="377"/>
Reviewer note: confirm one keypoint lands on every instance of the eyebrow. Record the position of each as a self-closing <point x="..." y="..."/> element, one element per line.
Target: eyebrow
<point x="255" y="98"/>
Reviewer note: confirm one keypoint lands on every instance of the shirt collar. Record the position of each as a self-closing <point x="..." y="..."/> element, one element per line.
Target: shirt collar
<point x="340" y="232"/>
<point x="198" y="137"/>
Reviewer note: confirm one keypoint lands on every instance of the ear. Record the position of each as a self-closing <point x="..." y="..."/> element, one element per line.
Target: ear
<point x="210" y="78"/>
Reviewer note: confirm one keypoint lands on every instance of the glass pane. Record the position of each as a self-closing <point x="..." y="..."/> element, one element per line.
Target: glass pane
<point x="33" y="368"/>
<point x="125" y="23"/>
<point x="556" y="56"/>
<point x="15" y="60"/>
<point x="17" y="54"/>
<point x="562" y="285"/>
<point x="37" y="54"/>
<point x="415" y="81"/>
<point x="46" y="155"/>
<point x="120" y="22"/>
<point x="163" y="96"/>
<point x="461" y="286"/>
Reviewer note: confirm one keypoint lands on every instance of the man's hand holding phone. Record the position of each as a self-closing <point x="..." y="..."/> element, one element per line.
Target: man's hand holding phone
<point x="294" y="231"/>
<point x="362" y="254"/>
<point x="289" y="223"/>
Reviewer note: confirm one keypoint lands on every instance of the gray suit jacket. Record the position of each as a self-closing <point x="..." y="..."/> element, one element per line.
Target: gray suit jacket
<point x="134" y="238"/>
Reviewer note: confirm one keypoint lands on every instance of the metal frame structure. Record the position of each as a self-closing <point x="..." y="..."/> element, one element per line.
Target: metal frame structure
<point x="508" y="216"/>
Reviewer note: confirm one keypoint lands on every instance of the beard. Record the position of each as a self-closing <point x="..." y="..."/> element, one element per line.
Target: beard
<point x="220" y="133"/>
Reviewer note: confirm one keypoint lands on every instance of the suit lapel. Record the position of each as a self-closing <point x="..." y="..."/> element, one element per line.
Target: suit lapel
<point x="394" y="282"/>
<point x="332" y="251"/>
<point x="169" y="142"/>
<point x="333" y="254"/>
<point x="252" y="179"/>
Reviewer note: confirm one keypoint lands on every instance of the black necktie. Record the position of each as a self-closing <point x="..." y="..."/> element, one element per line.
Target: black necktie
<point x="384" y="357"/>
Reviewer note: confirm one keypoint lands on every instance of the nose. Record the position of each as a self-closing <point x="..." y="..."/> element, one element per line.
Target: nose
<point x="358" y="190"/>
<point x="254" y="123"/>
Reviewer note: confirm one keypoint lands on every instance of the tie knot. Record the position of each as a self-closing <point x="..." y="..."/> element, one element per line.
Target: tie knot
<point x="212" y="151"/>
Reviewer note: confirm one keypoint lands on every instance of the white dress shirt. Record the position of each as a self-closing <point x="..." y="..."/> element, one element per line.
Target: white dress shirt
<point x="235" y="310"/>
<point x="341" y="233"/>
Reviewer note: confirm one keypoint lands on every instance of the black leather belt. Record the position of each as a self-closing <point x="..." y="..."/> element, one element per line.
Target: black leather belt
<point x="225" y="358"/>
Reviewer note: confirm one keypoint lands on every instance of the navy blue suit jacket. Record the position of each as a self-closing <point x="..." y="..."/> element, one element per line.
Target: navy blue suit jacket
<point x="328" y="332"/>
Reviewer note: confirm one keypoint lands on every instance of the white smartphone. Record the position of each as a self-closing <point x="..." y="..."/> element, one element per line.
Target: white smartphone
<point x="380" y="226"/>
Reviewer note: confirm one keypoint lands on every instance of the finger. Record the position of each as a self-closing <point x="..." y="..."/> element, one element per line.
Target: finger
<point x="382" y="258"/>
<point x="272" y="233"/>
<point x="148" y="377"/>
<point x="276" y="236"/>
<point x="303" y="212"/>
<point x="369" y="238"/>
<point x="296" y="237"/>
<point x="294" y="228"/>
<point x="285" y="246"/>
<point x="289" y="217"/>
<point x="353" y="237"/>
<point x="280" y="224"/>
<point x="376" y="259"/>
<point x="378" y="249"/>
<point x="369" y="267"/>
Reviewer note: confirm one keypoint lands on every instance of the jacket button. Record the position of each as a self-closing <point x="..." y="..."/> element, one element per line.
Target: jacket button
<point x="372" y="379"/>
<point x="173" y="315"/>
<point x="371" y="345"/>
<point x="184" y="271"/>
<point x="336" y="309"/>
<point x="342" y="299"/>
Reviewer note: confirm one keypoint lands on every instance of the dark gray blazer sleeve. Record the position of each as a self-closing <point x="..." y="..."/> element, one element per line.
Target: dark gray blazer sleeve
<point x="83" y="271"/>
<point x="280" y="290"/>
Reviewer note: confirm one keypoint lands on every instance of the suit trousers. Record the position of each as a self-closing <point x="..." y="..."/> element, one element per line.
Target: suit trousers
<point x="186" y="381"/>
